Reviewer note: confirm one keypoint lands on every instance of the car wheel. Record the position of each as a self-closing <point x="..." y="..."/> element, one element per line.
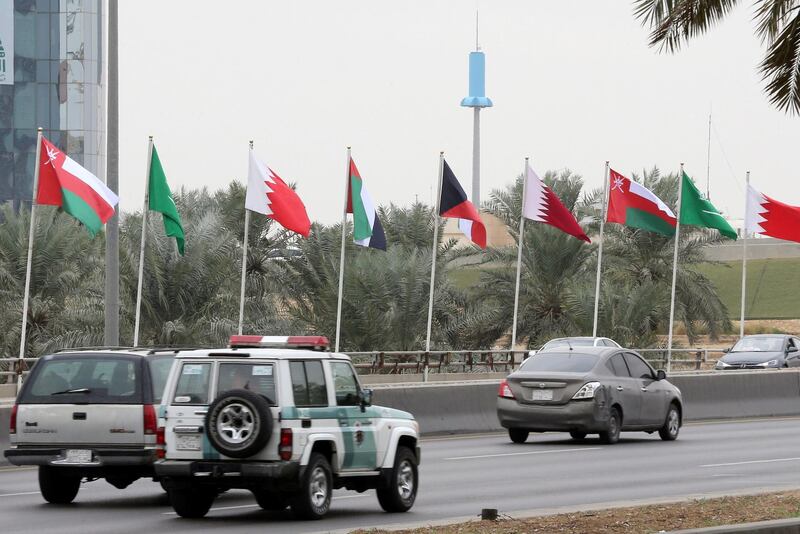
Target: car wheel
<point x="239" y="423"/>
<point x="611" y="434"/>
<point x="518" y="435"/>
<point x="577" y="435"/>
<point x="56" y="486"/>
<point x="191" y="503"/>
<point x="400" y="494"/>
<point x="314" y="498"/>
<point x="271" y="501"/>
<point x="672" y="424"/>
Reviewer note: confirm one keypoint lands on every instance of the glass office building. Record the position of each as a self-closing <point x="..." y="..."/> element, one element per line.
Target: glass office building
<point x="56" y="84"/>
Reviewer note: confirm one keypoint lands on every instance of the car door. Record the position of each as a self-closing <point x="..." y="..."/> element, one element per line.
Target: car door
<point x="650" y="395"/>
<point x="186" y="410"/>
<point x="357" y="426"/>
<point x="625" y="390"/>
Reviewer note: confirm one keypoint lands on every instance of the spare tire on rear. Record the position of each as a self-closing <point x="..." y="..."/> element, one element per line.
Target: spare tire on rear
<point x="239" y="423"/>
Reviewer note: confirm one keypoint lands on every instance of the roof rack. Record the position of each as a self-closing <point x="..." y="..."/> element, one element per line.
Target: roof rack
<point x="95" y="347"/>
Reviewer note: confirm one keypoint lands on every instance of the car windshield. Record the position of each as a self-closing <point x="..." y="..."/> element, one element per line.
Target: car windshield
<point x="569" y="342"/>
<point x="759" y="344"/>
<point x="560" y="362"/>
<point x="94" y="379"/>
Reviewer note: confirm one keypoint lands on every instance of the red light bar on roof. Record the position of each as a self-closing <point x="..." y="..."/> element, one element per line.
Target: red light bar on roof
<point x="280" y="342"/>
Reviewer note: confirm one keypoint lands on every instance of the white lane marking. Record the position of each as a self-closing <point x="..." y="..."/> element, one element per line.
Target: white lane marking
<point x="754" y="462"/>
<point x="256" y="506"/>
<point x="522" y="453"/>
<point x="23" y="493"/>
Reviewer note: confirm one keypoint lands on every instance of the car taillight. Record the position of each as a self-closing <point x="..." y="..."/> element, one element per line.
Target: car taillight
<point x="285" y="445"/>
<point x="150" y="422"/>
<point x="12" y="429"/>
<point x="505" y="390"/>
<point x="161" y="442"/>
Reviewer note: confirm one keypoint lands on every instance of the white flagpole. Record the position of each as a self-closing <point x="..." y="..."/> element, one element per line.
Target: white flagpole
<point x="25" y="297"/>
<point x="341" y="254"/>
<point x="600" y="251"/>
<point x="744" y="257"/>
<point x="433" y="252"/>
<point x="519" y="259"/>
<point x="674" y="270"/>
<point x="141" y="249"/>
<point x="244" y="258"/>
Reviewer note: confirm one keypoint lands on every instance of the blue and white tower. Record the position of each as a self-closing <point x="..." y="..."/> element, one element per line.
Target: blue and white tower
<point x="477" y="100"/>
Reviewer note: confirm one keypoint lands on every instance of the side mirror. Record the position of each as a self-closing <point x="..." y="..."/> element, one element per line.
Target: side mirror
<point x="661" y="375"/>
<point x="365" y="398"/>
<point x="726" y="350"/>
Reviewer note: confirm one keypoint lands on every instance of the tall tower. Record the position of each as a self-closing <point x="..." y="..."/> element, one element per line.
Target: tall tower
<point x="477" y="99"/>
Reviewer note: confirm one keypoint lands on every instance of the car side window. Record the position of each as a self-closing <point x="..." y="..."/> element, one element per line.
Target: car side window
<point x="308" y="383"/>
<point x="638" y="368"/>
<point x="790" y="343"/>
<point x="192" y="385"/>
<point x="345" y="384"/>
<point x="618" y="366"/>
<point x="258" y="378"/>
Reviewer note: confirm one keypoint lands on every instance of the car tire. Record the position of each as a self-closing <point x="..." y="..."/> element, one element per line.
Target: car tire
<point x="672" y="424"/>
<point x="400" y="494"/>
<point x="191" y="503"/>
<point x="271" y="501"/>
<point x="316" y="487"/>
<point x="239" y="423"/>
<point x="577" y="435"/>
<point x="518" y="435"/>
<point x="56" y="486"/>
<point x="611" y="434"/>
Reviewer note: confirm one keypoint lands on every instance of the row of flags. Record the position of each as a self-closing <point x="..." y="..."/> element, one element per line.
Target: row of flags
<point x="62" y="182"/>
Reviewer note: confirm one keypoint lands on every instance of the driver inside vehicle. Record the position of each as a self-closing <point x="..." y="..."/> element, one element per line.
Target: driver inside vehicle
<point x="236" y="377"/>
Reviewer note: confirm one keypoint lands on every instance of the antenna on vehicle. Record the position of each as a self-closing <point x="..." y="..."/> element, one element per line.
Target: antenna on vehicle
<point x="569" y="344"/>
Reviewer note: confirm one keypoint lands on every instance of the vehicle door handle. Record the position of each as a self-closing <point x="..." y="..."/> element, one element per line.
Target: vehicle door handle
<point x="200" y="412"/>
<point x="620" y="388"/>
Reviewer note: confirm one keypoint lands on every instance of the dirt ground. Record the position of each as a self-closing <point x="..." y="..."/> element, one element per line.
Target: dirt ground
<point x="636" y="520"/>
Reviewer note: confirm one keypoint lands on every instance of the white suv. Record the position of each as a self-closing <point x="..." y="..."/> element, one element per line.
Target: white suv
<point x="285" y="420"/>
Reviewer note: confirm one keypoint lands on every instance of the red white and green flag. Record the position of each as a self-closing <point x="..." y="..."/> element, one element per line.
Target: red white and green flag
<point x="66" y="184"/>
<point x="632" y="204"/>
<point x="367" y="229"/>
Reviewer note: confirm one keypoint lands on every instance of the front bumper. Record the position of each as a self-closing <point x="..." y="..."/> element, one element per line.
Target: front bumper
<point x="585" y="416"/>
<point x="101" y="457"/>
<point x="229" y="473"/>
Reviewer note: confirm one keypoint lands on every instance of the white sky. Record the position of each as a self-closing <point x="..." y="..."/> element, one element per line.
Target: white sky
<point x="573" y="84"/>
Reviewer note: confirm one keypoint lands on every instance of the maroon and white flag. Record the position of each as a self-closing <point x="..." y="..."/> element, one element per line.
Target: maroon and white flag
<point x="542" y="205"/>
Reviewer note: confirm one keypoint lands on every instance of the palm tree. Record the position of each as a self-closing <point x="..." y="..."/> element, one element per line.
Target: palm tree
<point x="674" y="22"/>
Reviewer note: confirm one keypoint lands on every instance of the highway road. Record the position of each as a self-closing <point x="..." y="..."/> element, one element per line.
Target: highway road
<point x="459" y="476"/>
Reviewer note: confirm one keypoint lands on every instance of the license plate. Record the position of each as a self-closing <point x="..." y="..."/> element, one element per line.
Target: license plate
<point x="542" y="394"/>
<point x="188" y="442"/>
<point x="78" y="456"/>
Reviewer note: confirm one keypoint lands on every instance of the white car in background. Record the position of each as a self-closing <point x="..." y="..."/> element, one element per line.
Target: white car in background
<point x="578" y="341"/>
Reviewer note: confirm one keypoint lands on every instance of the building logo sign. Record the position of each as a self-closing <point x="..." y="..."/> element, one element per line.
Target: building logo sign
<point x="6" y="42"/>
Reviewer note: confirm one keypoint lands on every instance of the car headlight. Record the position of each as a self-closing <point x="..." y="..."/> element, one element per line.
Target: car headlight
<point x="771" y="363"/>
<point x="587" y="391"/>
<point x="721" y="365"/>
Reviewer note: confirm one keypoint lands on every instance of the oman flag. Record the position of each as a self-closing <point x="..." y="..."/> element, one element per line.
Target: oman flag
<point x="453" y="204"/>
<point x="767" y="216"/>
<point x="542" y="205"/>
<point x="367" y="229"/>
<point x="64" y="183"/>
<point x="269" y="195"/>
<point x="632" y="204"/>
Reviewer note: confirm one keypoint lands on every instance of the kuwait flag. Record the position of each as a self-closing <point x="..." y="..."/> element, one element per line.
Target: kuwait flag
<point x="767" y="216"/>
<point x="632" y="204"/>
<point x="64" y="183"/>
<point x="367" y="229"/>
<point x="453" y="204"/>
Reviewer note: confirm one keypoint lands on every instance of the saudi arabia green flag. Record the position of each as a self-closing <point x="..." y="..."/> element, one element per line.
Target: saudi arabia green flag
<point x="160" y="200"/>
<point x="697" y="211"/>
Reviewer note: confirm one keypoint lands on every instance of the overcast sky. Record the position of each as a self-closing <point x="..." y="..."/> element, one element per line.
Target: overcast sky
<point x="573" y="83"/>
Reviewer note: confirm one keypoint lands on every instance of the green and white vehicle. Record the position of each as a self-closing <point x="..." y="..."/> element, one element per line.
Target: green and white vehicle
<point x="285" y="420"/>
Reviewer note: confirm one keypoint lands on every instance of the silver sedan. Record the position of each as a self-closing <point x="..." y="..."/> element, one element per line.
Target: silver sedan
<point x="589" y="390"/>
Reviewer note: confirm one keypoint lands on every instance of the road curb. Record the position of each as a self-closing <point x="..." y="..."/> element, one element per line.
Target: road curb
<point x="776" y="526"/>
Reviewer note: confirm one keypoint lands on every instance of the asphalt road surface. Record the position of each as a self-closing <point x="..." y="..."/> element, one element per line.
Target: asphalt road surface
<point x="459" y="476"/>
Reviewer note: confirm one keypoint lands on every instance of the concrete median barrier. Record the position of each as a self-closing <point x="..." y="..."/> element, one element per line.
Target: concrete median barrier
<point x="5" y="416"/>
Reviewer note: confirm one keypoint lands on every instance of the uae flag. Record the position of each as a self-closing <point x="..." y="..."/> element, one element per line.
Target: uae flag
<point x="542" y="205"/>
<point x="367" y="229"/>
<point x="269" y="195"/>
<point x="64" y="183"/>
<point x="634" y="205"/>
<point x="767" y="216"/>
<point x="453" y="204"/>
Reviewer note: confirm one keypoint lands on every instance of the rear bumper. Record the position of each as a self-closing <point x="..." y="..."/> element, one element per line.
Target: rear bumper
<point x="586" y="416"/>
<point x="229" y="473"/>
<point x="101" y="457"/>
